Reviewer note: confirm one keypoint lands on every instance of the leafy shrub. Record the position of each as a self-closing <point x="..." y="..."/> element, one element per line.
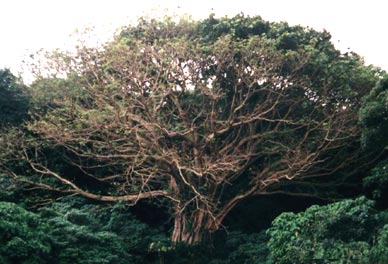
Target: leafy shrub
<point x="342" y="232"/>
<point x="378" y="179"/>
<point x="79" y="236"/>
<point x="247" y="248"/>
<point x="379" y="252"/>
<point x="23" y="237"/>
<point x="91" y="233"/>
<point x="235" y="247"/>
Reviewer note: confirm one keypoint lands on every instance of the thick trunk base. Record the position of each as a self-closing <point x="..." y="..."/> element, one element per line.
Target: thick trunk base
<point x="191" y="230"/>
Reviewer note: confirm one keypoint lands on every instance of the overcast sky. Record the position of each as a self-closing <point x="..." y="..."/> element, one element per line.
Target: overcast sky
<point x="29" y="25"/>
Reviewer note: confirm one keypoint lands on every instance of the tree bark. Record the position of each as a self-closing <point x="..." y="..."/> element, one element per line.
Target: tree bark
<point x="192" y="228"/>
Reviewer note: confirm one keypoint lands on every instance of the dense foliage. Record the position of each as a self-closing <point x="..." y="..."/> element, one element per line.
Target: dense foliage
<point x="14" y="99"/>
<point x="344" y="232"/>
<point x="23" y="236"/>
<point x="374" y="122"/>
<point x="144" y="150"/>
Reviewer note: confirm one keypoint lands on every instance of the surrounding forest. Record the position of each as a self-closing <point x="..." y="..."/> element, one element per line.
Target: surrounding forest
<point x="227" y="140"/>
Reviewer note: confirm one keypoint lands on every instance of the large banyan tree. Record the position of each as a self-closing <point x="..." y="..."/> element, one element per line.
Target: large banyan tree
<point x="200" y="115"/>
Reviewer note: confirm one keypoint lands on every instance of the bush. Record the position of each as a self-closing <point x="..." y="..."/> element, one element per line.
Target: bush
<point x="92" y="233"/>
<point x="23" y="236"/>
<point x="342" y="232"/>
<point x="247" y="248"/>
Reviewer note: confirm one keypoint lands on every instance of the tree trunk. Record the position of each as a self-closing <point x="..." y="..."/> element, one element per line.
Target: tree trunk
<point x="191" y="228"/>
<point x="190" y="225"/>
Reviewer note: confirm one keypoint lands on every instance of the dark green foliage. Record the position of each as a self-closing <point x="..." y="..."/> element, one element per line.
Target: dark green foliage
<point x="142" y="241"/>
<point x="74" y="231"/>
<point x="377" y="180"/>
<point x="374" y="117"/>
<point x="379" y="252"/>
<point x="77" y="239"/>
<point x="239" y="26"/>
<point x="59" y="237"/>
<point x="234" y="247"/>
<point x="87" y="233"/>
<point x="246" y="248"/>
<point x="7" y="187"/>
<point x="23" y="236"/>
<point x="343" y="232"/>
<point x="14" y="100"/>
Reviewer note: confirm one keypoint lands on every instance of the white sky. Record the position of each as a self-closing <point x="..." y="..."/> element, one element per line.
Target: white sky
<point x="29" y="25"/>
